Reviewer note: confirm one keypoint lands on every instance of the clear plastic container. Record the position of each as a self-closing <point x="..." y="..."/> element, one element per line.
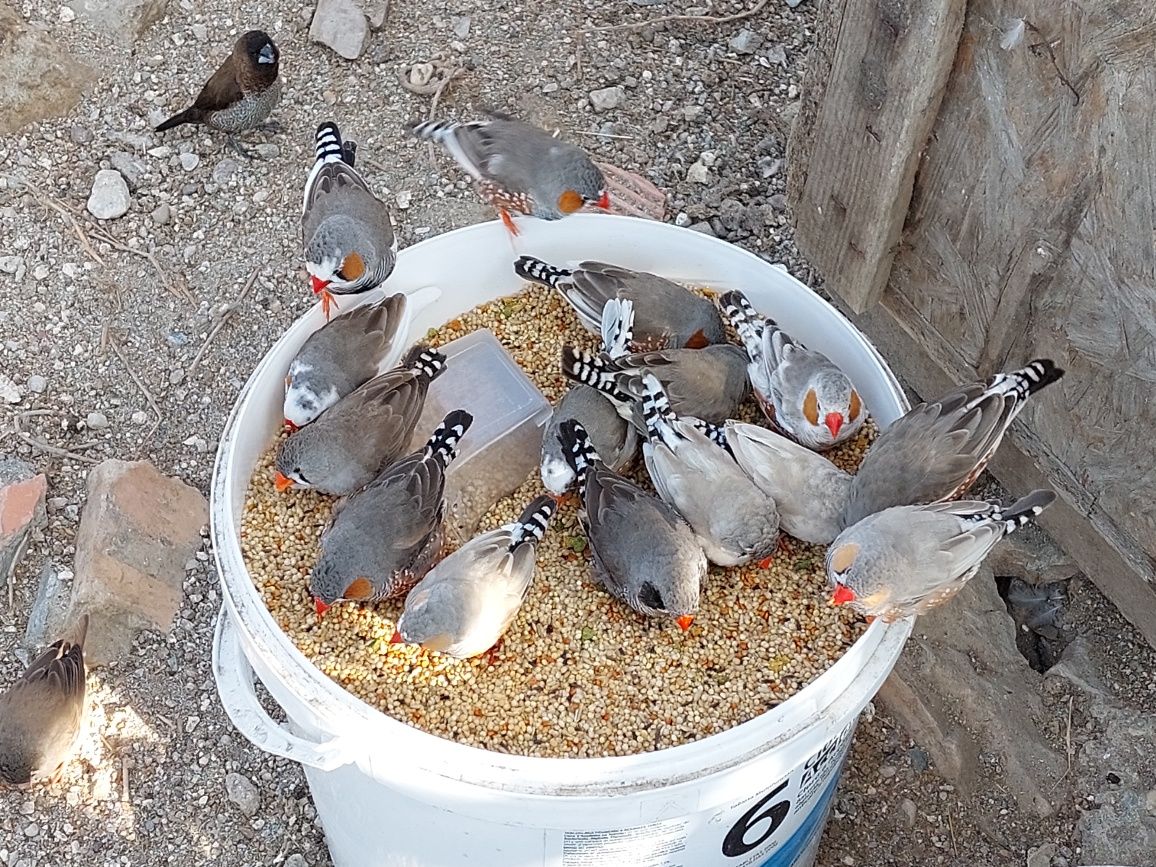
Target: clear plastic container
<point x="502" y="446"/>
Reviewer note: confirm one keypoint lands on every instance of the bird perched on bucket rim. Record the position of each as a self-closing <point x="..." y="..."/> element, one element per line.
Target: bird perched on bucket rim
<point x="41" y="713"/>
<point x="350" y="246"/>
<point x="909" y="559"/>
<point x="242" y="92"/>
<point x="519" y="167"/>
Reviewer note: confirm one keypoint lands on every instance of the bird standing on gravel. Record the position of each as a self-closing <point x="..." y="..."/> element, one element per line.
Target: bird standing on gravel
<point x="382" y="539"/>
<point x="363" y="433"/>
<point x="909" y="559"/>
<point x="519" y="167"/>
<point x="644" y="552"/>
<point x="242" y="92"/>
<point x="337" y="358"/>
<point x="735" y="522"/>
<point x="666" y="315"/>
<point x="465" y="603"/>
<point x="350" y="246"/>
<point x="802" y="392"/>
<point x="41" y="713"/>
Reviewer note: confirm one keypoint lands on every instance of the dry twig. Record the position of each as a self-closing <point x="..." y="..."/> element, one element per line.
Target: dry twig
<point x="147" y="394"/>
<point x="221" y="323"/>
<point x="55" y="204"/>
<point x="40" y="444"/>
<point x="666" y="19"/>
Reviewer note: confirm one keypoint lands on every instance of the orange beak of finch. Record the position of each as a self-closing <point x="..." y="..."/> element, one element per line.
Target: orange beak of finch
<point x="320" y="607"/>
<point x="604" y="201"/>
<point x="396" y="638"/>
<point x="281" y="483"/>
<point x="834" y="421"/>
<point x="318" y="284"/>
<point x="842" y="595"/>
<point x="685" y="621"/>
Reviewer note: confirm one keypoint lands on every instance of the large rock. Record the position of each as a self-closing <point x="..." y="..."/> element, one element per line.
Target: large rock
<point x="21" y="511"/>
<point x="109" y="199"/>
<point x="38" y="78"/>
<point x="123" y="20"/>
<point x="341" y="25"/>
<point x="961" y="688"/>
<point x="137" y="531"/>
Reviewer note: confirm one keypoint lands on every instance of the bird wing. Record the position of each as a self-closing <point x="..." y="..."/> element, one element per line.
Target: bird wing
<point x="929" y="453"/>
<point x="220" y="91"/>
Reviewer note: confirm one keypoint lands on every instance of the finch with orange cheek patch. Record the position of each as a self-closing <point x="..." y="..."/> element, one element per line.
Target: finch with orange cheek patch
<point x="350" y="246"/>
<point x="801" y="391"/>
<point x="909" y="559"/>
<point x="519" y="167"/>
<point x="384" y="538"/>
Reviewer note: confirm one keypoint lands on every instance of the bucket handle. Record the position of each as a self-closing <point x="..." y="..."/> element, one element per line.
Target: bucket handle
<point x="234" y="675"/>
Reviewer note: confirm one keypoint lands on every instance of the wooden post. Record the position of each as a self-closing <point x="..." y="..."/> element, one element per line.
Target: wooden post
<point x="875" y="89"/>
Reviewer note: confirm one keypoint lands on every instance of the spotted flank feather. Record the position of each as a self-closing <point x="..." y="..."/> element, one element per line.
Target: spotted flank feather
<point x="537" y="271"/>
<point x="531" y="526"/>
<point x="443" y="444"/>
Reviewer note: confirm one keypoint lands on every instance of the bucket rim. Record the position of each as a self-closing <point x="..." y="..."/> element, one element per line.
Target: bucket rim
<point x="869" y="658"/>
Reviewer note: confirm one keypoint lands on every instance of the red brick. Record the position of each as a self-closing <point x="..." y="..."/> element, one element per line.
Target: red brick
<point x="137" y="531"/>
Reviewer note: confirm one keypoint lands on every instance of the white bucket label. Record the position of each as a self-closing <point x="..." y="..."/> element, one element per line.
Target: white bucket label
<point x="780" y="826"/>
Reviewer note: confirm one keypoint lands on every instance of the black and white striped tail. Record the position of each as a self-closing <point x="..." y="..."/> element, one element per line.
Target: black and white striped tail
<point x="747" y="322"/>
<point x="537" y="271"/>
<point x="716" y="433"/>
<point x="588" y="369"/>
<point x="443" y="444"/>
<point x="531" y="526"/>
<point x="426" y="359"/>
<point x="1027" y="380"/>
<point x="617" y="326"/>
<point x="577" y="449"/>
<point x="433" y="130"/>
<point x="328" y="144"/>
<point x="656" y="412"/>
<point x="1023" y="510"/>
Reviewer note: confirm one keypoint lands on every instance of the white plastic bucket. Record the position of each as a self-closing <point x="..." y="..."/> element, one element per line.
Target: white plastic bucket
<point x="389" y="794"/>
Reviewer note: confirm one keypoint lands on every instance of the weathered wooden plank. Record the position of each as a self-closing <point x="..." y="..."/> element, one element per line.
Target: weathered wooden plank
<point x="855" y="164"/>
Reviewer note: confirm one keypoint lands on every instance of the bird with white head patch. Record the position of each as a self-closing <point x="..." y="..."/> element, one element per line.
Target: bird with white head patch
<point x="801" y="391"/>
<point x="907" y="560"/>
<point x="340" y="356"/>
<point x="350" y="246"/>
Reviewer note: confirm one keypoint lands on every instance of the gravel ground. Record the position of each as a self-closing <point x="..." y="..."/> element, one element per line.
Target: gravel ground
<point x="87" y="332"/>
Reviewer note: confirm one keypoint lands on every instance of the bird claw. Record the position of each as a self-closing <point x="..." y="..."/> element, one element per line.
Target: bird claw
<point x="508" y="221"/>
<point x="327" y="301"/>
<point x="491" y="655"/>
<point x="271" y="126"/>
<point x="241" y="150"/>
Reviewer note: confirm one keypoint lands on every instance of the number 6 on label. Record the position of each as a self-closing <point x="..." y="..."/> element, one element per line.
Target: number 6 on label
<point x="735" y="843"/>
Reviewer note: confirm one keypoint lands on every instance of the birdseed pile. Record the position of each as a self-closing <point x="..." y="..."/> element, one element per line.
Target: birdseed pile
<point x="577" y="674"/>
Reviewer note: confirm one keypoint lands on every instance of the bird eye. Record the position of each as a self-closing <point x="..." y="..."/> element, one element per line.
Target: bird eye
<point x="300" y="476"/>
